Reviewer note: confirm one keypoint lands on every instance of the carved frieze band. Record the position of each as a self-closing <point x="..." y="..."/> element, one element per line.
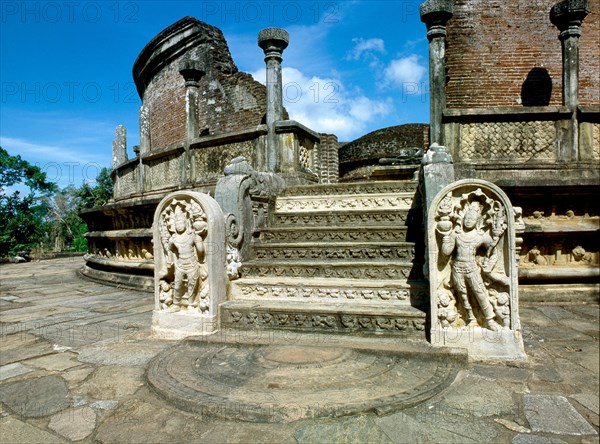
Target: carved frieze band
<point x="396" y="252"/>
<point x="349" y="188"/>
<point x="342" y="218"/>
<point x="367" y="294"/>
<point x="326" y="321"/>
<point x="380" y="272"/>
<point x="347" y="203"/>
<point x="338" y="235"/>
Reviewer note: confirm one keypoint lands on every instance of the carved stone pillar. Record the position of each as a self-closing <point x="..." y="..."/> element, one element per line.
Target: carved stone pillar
<point x="273" y="41"/>
<point x="144" y="130"/>
<point x="567" y="16"/>
<point x="119" y="146"/>
<point x="435" y="14"/>
<point x="192" y="71"/>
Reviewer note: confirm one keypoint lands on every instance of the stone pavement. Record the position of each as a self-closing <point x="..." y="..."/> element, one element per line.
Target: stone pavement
<point x="73" y="356"/>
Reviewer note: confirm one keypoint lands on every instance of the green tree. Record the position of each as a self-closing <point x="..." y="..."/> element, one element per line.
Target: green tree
<point x="68" y="229"/>
<point x="23" y="224"/>
<point x="97" y="195"/>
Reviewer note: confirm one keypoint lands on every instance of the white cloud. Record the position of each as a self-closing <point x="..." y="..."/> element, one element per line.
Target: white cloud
<point x="403" y="71"/>
<point x="366" y="48"/>
<point x="326" y="105"/>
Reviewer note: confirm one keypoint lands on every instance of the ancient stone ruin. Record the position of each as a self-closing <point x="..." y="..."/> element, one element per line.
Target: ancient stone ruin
<point x="415" y="231"/>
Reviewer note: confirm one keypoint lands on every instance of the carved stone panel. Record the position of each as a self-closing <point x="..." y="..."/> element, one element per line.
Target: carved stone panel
<point x="189" y="259"/>
<point x="473" y="271"/>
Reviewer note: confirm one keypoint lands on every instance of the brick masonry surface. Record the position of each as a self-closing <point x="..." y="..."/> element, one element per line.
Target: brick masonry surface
<point x="494" y="45"/>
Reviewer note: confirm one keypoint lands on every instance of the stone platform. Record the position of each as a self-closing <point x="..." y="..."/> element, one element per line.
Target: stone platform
<point x="74" y="356"/>
<point x="281" y="383"/>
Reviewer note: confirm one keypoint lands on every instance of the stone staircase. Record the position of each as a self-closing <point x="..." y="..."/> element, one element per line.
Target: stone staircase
<point x="336" y="258"/>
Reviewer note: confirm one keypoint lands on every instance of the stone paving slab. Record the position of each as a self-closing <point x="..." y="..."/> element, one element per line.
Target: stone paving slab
<point x="78" y="373"/>
<point x="554" y="414"/>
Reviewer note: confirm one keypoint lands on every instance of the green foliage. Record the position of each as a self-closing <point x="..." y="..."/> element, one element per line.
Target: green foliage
<point x="14" y="170"/>
<point x="46" y="218"/>
<point x="23" y="217"/>
<point x="97" y="195"/>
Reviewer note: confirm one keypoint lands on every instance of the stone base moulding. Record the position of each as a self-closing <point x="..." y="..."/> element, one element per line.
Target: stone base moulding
<point x="190" y="279"/>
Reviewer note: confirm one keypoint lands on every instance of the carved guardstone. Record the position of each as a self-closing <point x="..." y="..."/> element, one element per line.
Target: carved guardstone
<point x="473" y="271"/>
<point x="190" y="278"/>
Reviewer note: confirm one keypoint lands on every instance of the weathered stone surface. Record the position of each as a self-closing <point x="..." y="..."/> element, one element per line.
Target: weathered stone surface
<point x="587" y="400"/>
<point x="112" y="382"/>
<point x="55" y="362"/>
<point x="74" y="424"/>
<point x="104" y="404"/>
<point x="404" y="429"/>
<point x="554" y="414"/>
<point x="536" y="439"/>
<point x="479" y="397"/>
<point x="75" y="376"/>
<point x="357" y="429"/>
<point x="13" y="431"/>
<point x="45" y="396"/>
<point x="139" y="421"/>
<point x="288" y="383"/>
<point x="15" y="369"/>
<point x="125" y="354"/>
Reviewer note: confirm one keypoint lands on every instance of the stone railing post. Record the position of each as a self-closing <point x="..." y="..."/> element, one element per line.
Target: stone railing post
<point x="119" y="147"/>
<point x="567" y="16"/>
<point x="435" y="14"/>
<point x="144" y="129"/>
<point x="273" y="41"/>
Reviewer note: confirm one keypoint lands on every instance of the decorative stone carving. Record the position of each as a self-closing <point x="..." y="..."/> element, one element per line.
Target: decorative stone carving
<point x="239" y="193"/>
<point x="189" y="258"/>
<point x="510" y="141"/>
<point x="473" y="271"/>
<point x="329" y="203"/>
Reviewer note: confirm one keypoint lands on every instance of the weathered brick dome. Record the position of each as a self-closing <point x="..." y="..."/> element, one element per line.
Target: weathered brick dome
<point x="383" y="143"/>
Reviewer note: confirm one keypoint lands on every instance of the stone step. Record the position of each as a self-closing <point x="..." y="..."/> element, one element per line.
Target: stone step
<point x="388" y="186"/>
<point x="344" y="203"/>
<point x="348" y="291"/>
<point x="342" y="219"/>
<point x="334" y="234"/>
<point x="335" y="251"/>
<point x="357" y="269"/>
<point x="390" y="319"/>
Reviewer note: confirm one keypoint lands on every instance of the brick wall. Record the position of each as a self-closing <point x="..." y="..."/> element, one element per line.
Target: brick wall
<point x="503" y="53"/>
<point x="229" y="100"/>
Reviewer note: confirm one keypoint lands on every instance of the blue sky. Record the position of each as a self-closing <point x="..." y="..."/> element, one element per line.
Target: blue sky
<point x="351" y="67"/>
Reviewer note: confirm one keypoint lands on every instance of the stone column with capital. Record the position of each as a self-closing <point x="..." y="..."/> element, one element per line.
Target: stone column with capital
<point x="435" y="14"/>
<point x="273" y="41"/>
<point x="567" y="16"/>
<point x="192" y="71"/>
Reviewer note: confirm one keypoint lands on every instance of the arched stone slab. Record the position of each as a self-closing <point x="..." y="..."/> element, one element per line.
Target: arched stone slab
<point x="190" y="278"/>
<point x="473" y="271"/>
